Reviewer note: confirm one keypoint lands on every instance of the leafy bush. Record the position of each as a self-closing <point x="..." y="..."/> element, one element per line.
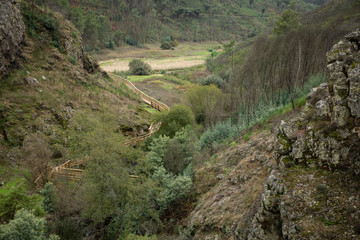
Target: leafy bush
<point x="25" y="226"/>
<point x="139" y="67"/>
<point x="213" y="79"/>
<point x="171" y="187"/>
<point x="136" y="237"/>
<point x="289" y="21"/>
<point x="13" y="197"/>
<point x="176" y="119"/>
<point x="48" y="193"/>
<point x="180" y="151"/>
<point x="129" y="40"/>
<point x="174" y="43"/>
<point x="165" y="46"/>
<point x="203" y="102"/>
<point x="225" y="130"/>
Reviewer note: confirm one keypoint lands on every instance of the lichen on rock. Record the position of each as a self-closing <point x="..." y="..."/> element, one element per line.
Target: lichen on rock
<point x="12" y="32"/>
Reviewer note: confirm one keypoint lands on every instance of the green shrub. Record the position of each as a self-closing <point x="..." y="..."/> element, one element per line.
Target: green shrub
<point x="176" y="119"/>
<point x="165" y="46"/>
<point x="13" y="197"/>
<point x="180" y="151"/>
<point x="174" y="43"/>
<point x="171" y="187"/>
<point x="213" y="79"/>
<point x="25" y="226"/>
<point x="137" y="237"/>
<point x="48" y="193"/>
<point x="129" y="40"/>
<point x="139" y="67"/>
<point x="224" y="130"/>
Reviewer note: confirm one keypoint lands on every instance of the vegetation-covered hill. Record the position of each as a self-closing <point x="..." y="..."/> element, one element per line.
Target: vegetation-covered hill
<point x="105" y="23"/>
<point x="270" y="71"/>
<point x="196" y="177"/>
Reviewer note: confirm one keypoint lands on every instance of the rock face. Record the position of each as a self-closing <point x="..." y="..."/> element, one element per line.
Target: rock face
<point x="12" y="31"/>
<point x="315" y="193"/>
<point x="72" y="44"/>
<point x="327" y="133"/>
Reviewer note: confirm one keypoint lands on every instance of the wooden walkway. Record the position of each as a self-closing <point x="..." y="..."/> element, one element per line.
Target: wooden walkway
<point x="72" y="170"/>
<point x="156" y="104"/>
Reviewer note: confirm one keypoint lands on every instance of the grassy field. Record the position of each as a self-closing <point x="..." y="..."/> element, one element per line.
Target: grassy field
<point x="183" y="56"/>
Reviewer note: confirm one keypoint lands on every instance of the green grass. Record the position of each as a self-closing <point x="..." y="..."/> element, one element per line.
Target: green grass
<point x="150" y="109"/>
<point x="139" y="78"/>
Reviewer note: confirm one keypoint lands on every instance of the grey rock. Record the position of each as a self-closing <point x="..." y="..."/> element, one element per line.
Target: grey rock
<point x="12" y="30"/>
<point x="32" y="81"/>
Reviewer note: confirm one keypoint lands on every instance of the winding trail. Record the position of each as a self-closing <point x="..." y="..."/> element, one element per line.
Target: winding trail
<point x="72" y="170"/>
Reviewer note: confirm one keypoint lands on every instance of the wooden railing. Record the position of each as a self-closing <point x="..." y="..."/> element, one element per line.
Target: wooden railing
<point x="72" y="170"/>
<point x="146" y="98"/>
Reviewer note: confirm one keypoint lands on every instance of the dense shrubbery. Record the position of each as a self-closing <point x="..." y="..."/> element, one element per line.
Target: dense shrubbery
<point x="213" y="79"/>
<point x="173" y="121"/>
<point x="206" y="102"/>
<point x="165" y="46"/>
<point x="139" y="67"/>
<point x="13" y="197"/>
<point x="172" y="187"/>
<point x="225" y="130"/>
<point x="27" y="226"/>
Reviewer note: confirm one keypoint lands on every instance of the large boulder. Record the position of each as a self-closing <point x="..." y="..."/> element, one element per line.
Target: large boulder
<point x="12" y="30"/>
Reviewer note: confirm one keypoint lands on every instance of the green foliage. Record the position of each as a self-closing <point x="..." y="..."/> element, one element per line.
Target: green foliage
<point x="139" y="67"/>
<point x="113" y="200"/>
<point x="263" y="111"/>
<point x="171" y="187"/>
<point x="180" y="151"/>
<point x="48" y="193"/>
<point x="203" y="102"/>
<point x="173" y="121"/>
<point x="148" y="21"/>
<point x="165" y="46"/>
<point x="25" y="226"/>
<point x="13" y="197"/>
<point x="289" y="21"/>
<point x="213" y="79"/>
<point x="136" y="237"/>
<point x="220" y="132"/>
<point x="41" y="24"/>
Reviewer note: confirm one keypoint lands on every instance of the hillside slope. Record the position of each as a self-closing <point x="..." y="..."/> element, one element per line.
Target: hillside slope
<point x="311" y="169"/>
<point x="55" y="92"/>
<point x="138" y="22"/>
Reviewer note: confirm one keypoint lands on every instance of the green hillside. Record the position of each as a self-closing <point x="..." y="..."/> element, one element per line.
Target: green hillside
<point x="108" y="23"/>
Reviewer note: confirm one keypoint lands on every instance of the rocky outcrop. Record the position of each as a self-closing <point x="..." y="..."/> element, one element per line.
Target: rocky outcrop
<point x="236" y="181"/>
<point x="12" y="30"/>
<point x="327" y="133"/>
<point x="315" y="193"/>
<point x="72" y="44"/>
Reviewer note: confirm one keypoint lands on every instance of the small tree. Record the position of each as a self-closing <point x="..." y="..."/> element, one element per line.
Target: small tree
<point x="177" y="118"/>
<point x="165" y="46"/>
<point x="289" y="21"/>
<point x="213" y="79"/>
<point x="139" y="67"/>
<point x="25" y="226"/>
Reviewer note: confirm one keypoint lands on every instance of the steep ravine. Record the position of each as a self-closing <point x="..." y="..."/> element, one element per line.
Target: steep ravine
<point x="310" y="181"/>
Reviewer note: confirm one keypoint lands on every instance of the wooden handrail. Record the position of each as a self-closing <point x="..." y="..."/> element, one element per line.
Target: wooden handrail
<point x="66" y="169"/>
<point x="146" y="98"/>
